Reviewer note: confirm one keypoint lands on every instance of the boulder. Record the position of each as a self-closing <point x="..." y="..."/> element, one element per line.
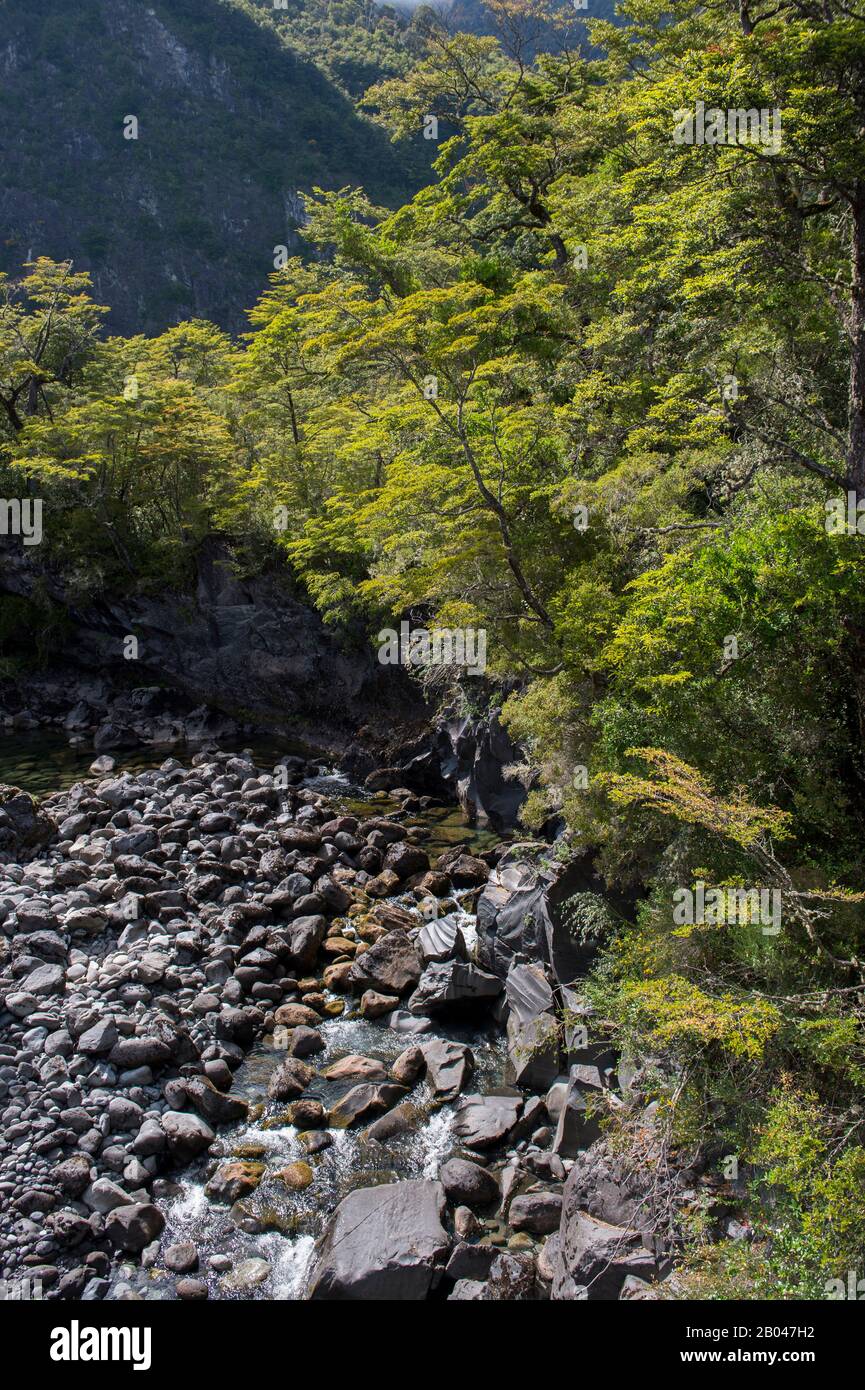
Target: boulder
<point x="187" y="1135"/>
<point x="612" y="1188"/>
<point x="305" y="937"/>
<point x="528" y="914"/>
<point x="533" y="1051"/>
<point x="213" y="1105"/>
<point x="404" y="860"/>
<point x="395" y="1122"/>
<point x="131" y="1227"/>
<point x="441" y="940"/>
<point x="468" y="1184"/>
<point x="467" y="871"/>
<point x="528" y="992"/>
<point x="375" y="1005"/>
<point x="303" y="1042"/>
<point x="234" y="1180"/>
<point x="592" y="1259"/>
<point x="362" y="1103"/>
<point x="450" y="1067"/>
<point x="367" y="1068"/>
<point x="391" y="966"/>
<point x="383" y="1243"/>
<point x="512" y="1279"/>
<point x="455" y="985"/>
<point x="140" y="1052"/>
<point x="481" y="1122"/>
<point x="408" y="1066"/>
<point x="289" y="1079"/>
<point x="536" y="1212"/>
<point x="22" y="825"/>
<point x="578" y="1123"/>
<point x="296" y="1016"/>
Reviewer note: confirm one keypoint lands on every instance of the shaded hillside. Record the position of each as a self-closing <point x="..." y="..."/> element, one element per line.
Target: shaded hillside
<point x="183" y="220"/>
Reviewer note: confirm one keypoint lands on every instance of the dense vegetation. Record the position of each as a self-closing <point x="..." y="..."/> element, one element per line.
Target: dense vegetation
<point x="591" y="390"/>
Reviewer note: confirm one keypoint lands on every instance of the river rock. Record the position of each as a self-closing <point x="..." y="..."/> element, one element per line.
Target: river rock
<point x="306" y="1113"/>
<point x="140" y="1052"/>
<point x="527" y="915"/>
<point x="467" y="872"/>
<point x="306" y="935"/>
<point x="212" y="1104"/>
<point x="375" y="1005"/>
<point x="408" y="1066"/>
<point x="297" y="1016"/>
<point x="471" y="1261"/>
<point x="99" y="1039"/>
<point x="382" y="1244"/>
<point x="131" y="1227"/>
<point x="468" y="1184"/>
<point x="249" y="1274"/>
<point x="369" y="1068"/>
<point x="187" y="1135"/>
<point x="450" y="1067"/>
<point x="290" y="1079"/>
<point x="362" y="1102"/>
<point x="397" y="1121"/>
<point x="391" y="966"/>
<point x="303" y="1042"/>
<point x="22" y="824"/>
<point x="297" y="1176"/>
<point x="234" y="1180"/>
<point x="181" y="1258"/>
<point x="404" y="860"/>
<point x="483" y="1121"/>
<point x="536" y="1212"/>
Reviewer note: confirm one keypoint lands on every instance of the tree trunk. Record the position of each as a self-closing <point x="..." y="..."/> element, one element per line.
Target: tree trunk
<point x="856" y="426"/>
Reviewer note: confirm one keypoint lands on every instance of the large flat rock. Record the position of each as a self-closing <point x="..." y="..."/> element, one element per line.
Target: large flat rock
<point x="482" y="1121"/>
<point x="382" y="1243"/>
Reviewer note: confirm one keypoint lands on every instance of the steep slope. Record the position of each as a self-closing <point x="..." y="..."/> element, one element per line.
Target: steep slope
<point x="181" y="221"/>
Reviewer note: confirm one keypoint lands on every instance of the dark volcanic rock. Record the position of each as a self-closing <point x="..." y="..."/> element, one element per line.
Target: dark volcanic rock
<point x="482" y="1121"/>
<point x="468" y="1184"/>
<point x="133" y="1226"/>
<point x="592" y="1259"/>
<point x="391" y="966"/>
<point x="453" y="984"/>
<point x="382" y="1243"/>
<point x="212" y="1105"/>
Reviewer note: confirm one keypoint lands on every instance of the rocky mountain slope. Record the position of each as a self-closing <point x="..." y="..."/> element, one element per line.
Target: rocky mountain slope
<point x="181" y="221"/>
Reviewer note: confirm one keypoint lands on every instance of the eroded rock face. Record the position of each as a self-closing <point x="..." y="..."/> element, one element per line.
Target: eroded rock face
<point x="234" y="644"/>
<point x="382" y="1243"/>
<point x="453" y="984"/>
<point x="525" y="916"/>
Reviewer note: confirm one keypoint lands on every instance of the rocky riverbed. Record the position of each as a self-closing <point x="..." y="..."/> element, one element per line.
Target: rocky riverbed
<point x="254" y="1043"/>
